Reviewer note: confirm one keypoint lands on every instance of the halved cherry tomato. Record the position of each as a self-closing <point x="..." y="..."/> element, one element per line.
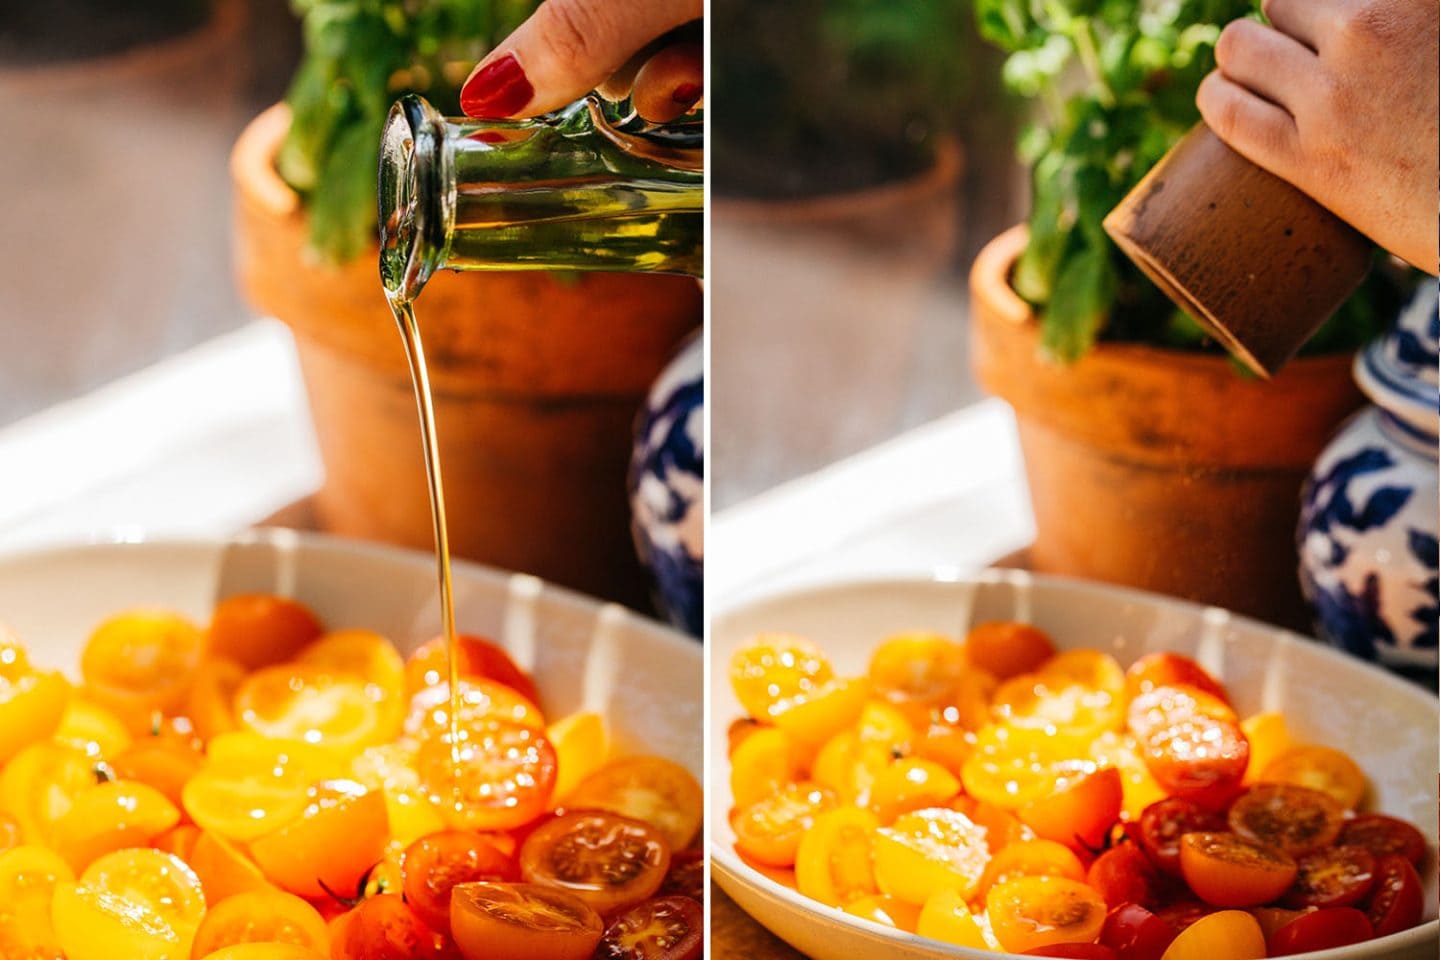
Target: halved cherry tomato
<point x="1397" y="903"/>
<point x="358" y="653"/>
<point x="686" y="877"/>
<point x="1165" y="706"/>
<point x="911" y="784"/>
<point x="10" y="834"/>
<point x="261" y="916"/>
<point x="40" y="785"/>
<point x="1320" y="930"/>
<point x="1163" y="824"/>
<point x="480" y="701"/>
<point x="1169" y="670"/>
<point x="668" y="928"/>
<point x="1134" y="933"/>
<point x="1269" y="737"/>
<point x="770" y="830"/>
<point x="1227" y="870"/>
<point x="772" y="668"/>
<point x="265" y="951"/>
<point x="1079" y="813"/>
<point x="1383" y="835"/>
<point x="91" y="728"/>
<point x="1031" y="858"/>
<point x="921" y="667"/>
<point x="930" y="850"/>
<point x="1334" y="877"/>
<point x="1200" y="759"/>
<point x="1031" y="912"/>
<point x="886" y="911"/>
<point x="1320" y="768"/>
<point x="251" y="785"/>
<point x="435" y="864"/>
<point x="1183" y="914"/>
<point x="1005" y="649"/>
<point x="1124" y="874"/>
<point x="210" y="701"/>
<point x="582" y="745"/>
<point x="1273" y="918"/>
<point x="1012" y="766"/>
<point x="132" y="903"/>
<point x="140" y="662"/>
<point x="739" y="731"/>
<point x="1294" y="819"/>
<point x="339" y="835"/>
<point x="946" y="917"/>
<point x="520" y="921"/>
<point x="163" y="763"/>
<point x="32" y="705"/>
<point x="224" y="871"/>
<point x="817" y="715"/>
<point x="609" y="862"/>
<point x="765" y="762"/>
<point x="111" y="816"/>
<point x="385" y="928"/>
<point x="833" y="863"/>
<point x="1078" y="691"/>
<point x="1002" y="827"/>
<point x="478" y="659"/>
<point x="259" y="629"/>
<point x="1225" y="935"/>
<point x="29" y="876"/>
<point x="499" y="776"/>
<point x="654" y="790"/>
<point x="301" y="702"/>
<point x="1138" y="788"/>
<point x="1074" y="951"/>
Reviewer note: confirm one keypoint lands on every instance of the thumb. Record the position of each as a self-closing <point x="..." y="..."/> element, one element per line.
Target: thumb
<point x="566" y="49"/>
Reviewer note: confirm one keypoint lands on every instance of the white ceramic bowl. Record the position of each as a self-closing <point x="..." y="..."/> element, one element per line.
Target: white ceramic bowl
<point x="1390" y="727"/>
<point x="648" y="680"/>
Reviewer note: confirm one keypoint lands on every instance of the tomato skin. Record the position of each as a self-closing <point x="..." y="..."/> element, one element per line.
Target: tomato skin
<point x="1200" y="759"/>
<point x="1397" y="901"/>
<point x="607" y="861"/>
<point x="1168" y="670"/>
<point x="256" y="630"/>
<point x="1124" y="875"/>
<point x="673" y="928"/>
<point x="1164" y="822"/>
<point x="1291" y="818"/>
<point x="1322" y="768"/>
<point x="1383" y="835"/>
<point x="1320" y="930"/>
<point x="1031" y="912"/>
<point x="1134" y="933"/>
<point x="1334" y="877"/>
<point x="1223" y="935"/>
<point x="1226" y="870"/>
<point x="1183" y="914"/>
<point x="479" y="659"/>
<point x="434" y="864"/>
<point x="385" y="928"/>
<point x="1005" y="649"/>
<point x="1080" y="815"/>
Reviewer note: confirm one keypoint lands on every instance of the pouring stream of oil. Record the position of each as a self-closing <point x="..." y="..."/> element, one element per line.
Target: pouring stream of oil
<point x="404" y="312"/>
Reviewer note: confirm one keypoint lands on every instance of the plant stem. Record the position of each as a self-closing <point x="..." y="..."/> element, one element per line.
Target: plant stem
<point x="1089" y="56"/>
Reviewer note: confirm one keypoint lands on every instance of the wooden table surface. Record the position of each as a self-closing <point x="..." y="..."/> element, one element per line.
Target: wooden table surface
<point x="734" y="936"/>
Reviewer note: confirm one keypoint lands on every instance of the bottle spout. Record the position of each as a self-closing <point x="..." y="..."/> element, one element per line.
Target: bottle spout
<point x="414" y="209"/>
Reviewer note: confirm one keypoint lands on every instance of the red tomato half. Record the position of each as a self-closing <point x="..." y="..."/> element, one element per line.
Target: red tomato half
<point x="1320" y="930"/>
<point x="608" y="861"/>
<point x="1383" y="835"/>
<point x="1135" y="933"/>
<point x="1397" y="903"/>
<point x="1123" y="874"/>
<point x="1333" y="877"/>
<point x="385" y="928"/>
<point x="434" y="864"/>
<point x="668" y="928"/>
<point x="1164" y="822"/>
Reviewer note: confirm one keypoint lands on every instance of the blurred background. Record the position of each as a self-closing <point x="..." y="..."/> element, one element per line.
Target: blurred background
<point x="120" y="119"/>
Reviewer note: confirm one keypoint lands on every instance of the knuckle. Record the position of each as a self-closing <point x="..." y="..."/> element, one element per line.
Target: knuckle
<point x="575" y="31"/>
<point x="1365" y="21"/>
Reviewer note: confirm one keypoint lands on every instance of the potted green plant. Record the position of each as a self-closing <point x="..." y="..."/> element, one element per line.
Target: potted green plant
<point x="1152" y="459"/>
<point x="836" y="178"/>
<point x="537" y="377"/>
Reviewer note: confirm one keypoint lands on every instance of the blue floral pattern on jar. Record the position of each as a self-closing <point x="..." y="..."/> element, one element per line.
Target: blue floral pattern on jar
<point x="667" y="488"/>
<point x="1371" y="507"/>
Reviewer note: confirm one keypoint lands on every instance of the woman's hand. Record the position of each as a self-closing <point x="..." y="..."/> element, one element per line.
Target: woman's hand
<point x="569" y="47"/>
<point x="1339" y="97"/>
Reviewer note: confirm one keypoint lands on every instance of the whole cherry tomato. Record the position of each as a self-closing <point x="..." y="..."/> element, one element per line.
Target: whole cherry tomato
<point x="1320" y="930"/>
<point x="1135" y="933"/>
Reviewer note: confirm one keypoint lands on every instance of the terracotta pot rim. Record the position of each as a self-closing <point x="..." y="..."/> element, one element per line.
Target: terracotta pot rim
<point x="947" y="167"/>
<point x="148" y="59"/>
<point x="990" y="279"/>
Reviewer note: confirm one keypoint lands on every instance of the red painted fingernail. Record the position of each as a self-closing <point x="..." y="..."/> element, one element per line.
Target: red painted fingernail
<point x="498" y="90"/>
<point x="686" y="93"/>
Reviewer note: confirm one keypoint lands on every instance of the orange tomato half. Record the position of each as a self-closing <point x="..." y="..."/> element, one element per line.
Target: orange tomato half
<point x="1031" y="912"/>
<point x="1319" y="768"/>
<point x="520" y="921"/>
<point x="340" y="835"/>
<point x="1080" y="813"/>
<point x="140" y="662"/>
<point x="261" y="916"/>
<point x="653" y="790"/>
<point x="259" y="629"/>
<point x="1227" y="870"/>
<point x="1005" y="649"/>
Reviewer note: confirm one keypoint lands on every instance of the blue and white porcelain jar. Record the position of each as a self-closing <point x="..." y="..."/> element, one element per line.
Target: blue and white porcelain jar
<point x="1368" y="519"/>
<point x="667" y="488"/>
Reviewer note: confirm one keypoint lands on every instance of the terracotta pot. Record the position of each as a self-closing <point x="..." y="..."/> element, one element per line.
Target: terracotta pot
<point x="1257" y="262"/>
<point x="821" y="300"/>
<point x="537" y="382"/>
<point x="1160" y="469"/>
<point x="114" y="165"/>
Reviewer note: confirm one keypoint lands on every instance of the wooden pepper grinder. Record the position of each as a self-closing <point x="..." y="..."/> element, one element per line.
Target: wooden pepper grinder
<point x="1257" y="262"/>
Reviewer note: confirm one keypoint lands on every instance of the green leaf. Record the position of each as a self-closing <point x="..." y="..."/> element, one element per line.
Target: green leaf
<point x="342" y="207"/>
<point x="1084" y="292"/>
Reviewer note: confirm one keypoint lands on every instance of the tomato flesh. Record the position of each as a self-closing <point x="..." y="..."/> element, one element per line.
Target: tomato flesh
<point x="1227" y="870"/>
<point x="1397" y="901"/>
<point x="521" y="921"/>
<point x="668" y="928"/>
<point x="1163" y="824"/>
<point x="1291" y="818"/>
<point x="433" y="865"/>
<point x="1383" y="835"/>
<point x="1334" y="877"/>
<point x="607" y="861"/>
